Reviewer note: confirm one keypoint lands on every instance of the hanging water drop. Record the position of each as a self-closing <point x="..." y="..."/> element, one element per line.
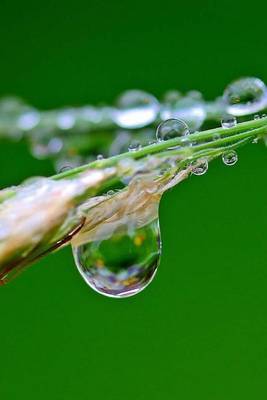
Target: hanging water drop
<point x="135" y="109"/>
<point x="122" y="265"/>
<point x="200" y="168"/>
<point x="172" y="128"/>
<point x="230" y="158"/>
<point x="228" y="121"/>
<point x="245" y="96"/>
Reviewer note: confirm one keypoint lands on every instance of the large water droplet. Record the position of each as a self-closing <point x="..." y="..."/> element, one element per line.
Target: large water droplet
<point x="230" y="157"/>
<point x="123" y="264"/>
<point x="135" y="109"/>
<point x="172" y="128"/>
<point x="245" y="96"/>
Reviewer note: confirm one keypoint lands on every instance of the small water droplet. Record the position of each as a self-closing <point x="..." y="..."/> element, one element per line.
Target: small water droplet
<point x="65" y="168"/>
<point x="54" y="145"/>
<point x="263" y="116"/>
<point x="228" y="121"/>
<point x="134" y="146"/>
<point x="200" y="168"/>
<point x="123" y="264"/>
<point x="245" y="96"/>
<point x="185" y="142"/>
<point x="66" y="120"/>
<point x="230" y="157"/>
<point x="191" y="111"/>
<point x="28" y="120"/>
<point x="171" y="128"/>
<point x="195" y="94"/>
<point x="100" y="157"/>
<point x="257" y="116"/>
<point x="135" y="109"/>
<point x="172" y="96"/>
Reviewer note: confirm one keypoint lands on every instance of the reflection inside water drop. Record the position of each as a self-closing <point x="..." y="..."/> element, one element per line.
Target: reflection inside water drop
<point x="245" y="96"/>
<point x="230" y="157"/>
<point x="200" y="167"/>
<point x="135" y="109"/>
<point x="172" y="128"/>
<point x="228" y="121"/>
<point x="121" y="265"/>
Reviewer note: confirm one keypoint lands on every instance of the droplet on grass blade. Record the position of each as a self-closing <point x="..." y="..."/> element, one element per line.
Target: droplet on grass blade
<point x="200" y="168"/>
<point x="172" y="128"/>
<point x="230" y="158"/>
<point x="135" y="109"/>
<point x="245" y="96"/>
<point x="228" y="121"/>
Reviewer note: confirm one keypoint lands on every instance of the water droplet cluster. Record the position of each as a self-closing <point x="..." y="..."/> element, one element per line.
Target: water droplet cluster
<point x="132" y="119"/>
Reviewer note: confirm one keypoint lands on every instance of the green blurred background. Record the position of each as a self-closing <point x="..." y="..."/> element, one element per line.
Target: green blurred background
<point x="199" y="331"/>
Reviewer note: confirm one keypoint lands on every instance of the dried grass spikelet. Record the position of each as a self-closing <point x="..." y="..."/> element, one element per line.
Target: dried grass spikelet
<point x="41" y="211"/>
<point x="131" y="208"/>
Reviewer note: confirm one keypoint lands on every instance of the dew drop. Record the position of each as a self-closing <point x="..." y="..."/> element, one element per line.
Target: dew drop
<point x="55" y="145"/>
<point x="134" y="146"/>
<point x="123" y="264"/>
<point x="257" y="116"/>
<point x="135" y="109"/>
<point x="201" y="167"/>
<point x="245" y="96"/>
<point x="171" y="128"/>
<point x="228" y="121"/>
<point x="172" y="96"/>
<point x="66" y="120"/>
<point x="195" y="94"/>
<point x="28" y="120"/>
<point x="188" y="109"/>
<point x="230" y="158"/>
<point x="100" y="157"/>
<point x="65" y="168"/>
